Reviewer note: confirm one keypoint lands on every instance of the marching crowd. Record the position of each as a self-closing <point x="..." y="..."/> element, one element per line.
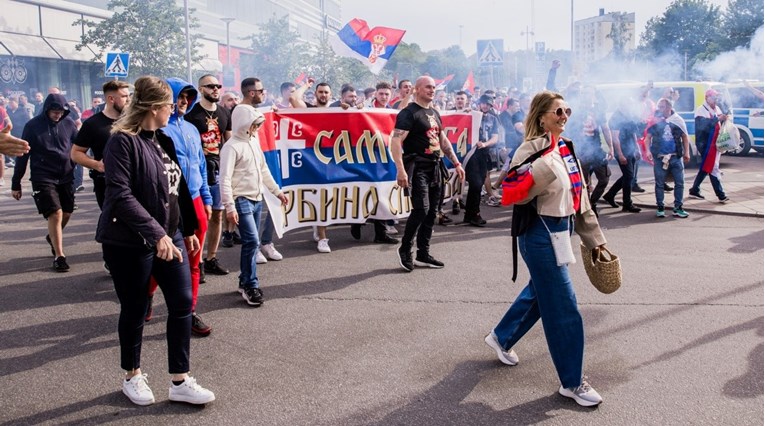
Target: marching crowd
<point x="183" y="174"/>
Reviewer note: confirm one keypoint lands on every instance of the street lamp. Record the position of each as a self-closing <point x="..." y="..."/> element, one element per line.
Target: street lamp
<point x="228" y="22"/>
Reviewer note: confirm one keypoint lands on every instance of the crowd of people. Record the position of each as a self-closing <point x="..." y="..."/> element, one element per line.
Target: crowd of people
<point x="178" y="171"/>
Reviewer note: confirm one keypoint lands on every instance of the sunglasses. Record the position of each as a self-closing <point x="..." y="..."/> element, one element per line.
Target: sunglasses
<point x="560" y="111"/>
<point x="213" y="86"/>
<point x="256" y="90"/>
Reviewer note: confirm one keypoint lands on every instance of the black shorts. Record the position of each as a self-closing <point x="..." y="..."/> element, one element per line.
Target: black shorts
<point x="50" y="197"/>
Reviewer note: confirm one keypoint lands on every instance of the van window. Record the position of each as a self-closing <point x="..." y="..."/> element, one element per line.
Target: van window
<point x="741" y="97"/>
<point x="686" y="102"/>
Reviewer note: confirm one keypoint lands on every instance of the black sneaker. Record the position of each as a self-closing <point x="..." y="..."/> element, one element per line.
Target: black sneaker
<point x="149" y="309"/>
<point x="443" y="219"/>
<point x="198" y="327"/>
<point x="428" y="262"/>
<point x="386" y="239"/>
<point x="636" y="188"/>
<point x="695" y="194"/>
<point x="213" y="267"/>
<point x="236" y="237"/>
<point x="631" y="209"/>
<point x="60" y="264"/>
<point x="253" y="296"/>
<point x="356" y="231"/>
<point x="405" y="260"/>
<point x="610" y="200"/>
<point x="227" y="240"/>
<point x="50" y="243"/>
<point x="202" y="278"/>
<point x="668" y="188"/>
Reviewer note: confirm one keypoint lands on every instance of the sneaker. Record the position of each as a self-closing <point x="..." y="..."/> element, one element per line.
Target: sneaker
<point x="60" y="264"/>
<point x="323" y="246"/>
<point x="668" y="188"/>
<point x="260" y="259"/>
<point x="386" y="239"/>
<point x="213" y="267"/>
<point x="390" y="229"/>
<point x="270" y="251"/>
<point x="253" y="296"/>
<point x="10" y="164"/>
<point x="584" y="395"/>
<point x="631" y="209"/>
<point x="492" y="202"/>
<point x="695" y="194"/>
<point x="202" y="278"/>
<point x="475" y="221"/>
<point x="637" y="188"/>
<point x="443" y="219"/>
<point x="79" y="189"/>
<point x="679" y="213"/>
<point x="509" y="358"/>
<point x="356" y="231"/>
<point x="138" y="390"/>
<point x="660" y="212"/>
<point x="198" y="326"/>
<point x="227" y="240"/>
<point x="189" y="391"/>
<point x="455" y="207"/>
<point x="149" y="309"/>
<point x="50" y="243"/>
<point x="405" y="260"/>
<point x="724" y="200"/>
<point x="610" y="200"/>
<point x="316" y="234"/>
<point x="236" y="237"/>
<point x="428" y="262"/>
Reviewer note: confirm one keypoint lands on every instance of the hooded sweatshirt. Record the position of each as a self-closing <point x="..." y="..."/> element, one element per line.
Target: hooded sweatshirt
<point x="188" y="143"/>
<point x="50" y="144"/>
<point x="243" y="168"/>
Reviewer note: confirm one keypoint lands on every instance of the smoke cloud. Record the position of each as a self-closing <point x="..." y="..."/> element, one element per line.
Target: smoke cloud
<point x="742" y="63"/>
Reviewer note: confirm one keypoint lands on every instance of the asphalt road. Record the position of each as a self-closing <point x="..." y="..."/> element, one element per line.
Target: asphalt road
<point x="346" y="338"/>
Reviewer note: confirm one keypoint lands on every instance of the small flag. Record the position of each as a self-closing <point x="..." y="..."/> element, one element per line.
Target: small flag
<point x="469" y="83"/>
<point x="372" y="47"/>
<point x="300" y="78"/>
<point x="441" y="84"/>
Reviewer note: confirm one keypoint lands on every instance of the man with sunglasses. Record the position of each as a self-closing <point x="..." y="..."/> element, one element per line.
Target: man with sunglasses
<point x="214" y="126"/>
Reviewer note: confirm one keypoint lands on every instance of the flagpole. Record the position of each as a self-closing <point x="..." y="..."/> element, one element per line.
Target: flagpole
<point x="188" y="40"/>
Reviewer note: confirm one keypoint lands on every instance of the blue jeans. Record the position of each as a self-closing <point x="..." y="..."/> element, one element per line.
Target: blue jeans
<point x="249" y="220"/>
<point x="549" y="296"/>
<point x="678" y="174"/>
<point x="716" y="184"/>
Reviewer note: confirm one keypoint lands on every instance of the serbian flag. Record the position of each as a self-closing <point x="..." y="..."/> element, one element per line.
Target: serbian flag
<point x="372" y="47"/>
<point x="300" y="78"/>
<point x="469" y="83"/>
<point x="516" y="185"/>
<point x="441" y="84"/>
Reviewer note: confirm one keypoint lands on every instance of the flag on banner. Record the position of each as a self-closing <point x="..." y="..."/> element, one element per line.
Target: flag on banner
<point x="469" y="83"/>
<point x="372" y="47"/>
<point x="300" y="78"/>
<point x="441" y="84"/>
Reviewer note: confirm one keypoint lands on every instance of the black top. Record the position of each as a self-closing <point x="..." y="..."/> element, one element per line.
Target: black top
<point x="211" y="126"/>
<point x="424" y="127"/>
<point x="629" y="129"/>
<point x="94" y="134"/>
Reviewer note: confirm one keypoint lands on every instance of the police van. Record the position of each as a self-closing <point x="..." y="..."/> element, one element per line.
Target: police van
<point x="748" y="114"/>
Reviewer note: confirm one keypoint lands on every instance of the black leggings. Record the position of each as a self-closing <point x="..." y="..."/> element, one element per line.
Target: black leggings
<point x="130" y="269"/>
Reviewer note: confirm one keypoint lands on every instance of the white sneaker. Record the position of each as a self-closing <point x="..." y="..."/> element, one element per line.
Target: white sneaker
<point x="390" y="229"/>
<point x="509" y="358"/>
<point x="323" y="246"/>
<point x="316" y="234"/>
<point x="189" y="391"/>
<point x="270" y="251"/>
<point x="260" y="259"/>
<point x="584" y="395"/>
<point x="137" y="389"/>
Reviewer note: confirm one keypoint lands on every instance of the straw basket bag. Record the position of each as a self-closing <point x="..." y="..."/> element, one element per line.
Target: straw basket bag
<point x="603" y="268"/>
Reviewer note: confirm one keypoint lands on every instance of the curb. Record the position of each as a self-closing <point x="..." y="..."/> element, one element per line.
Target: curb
<point x="700" y="210"/>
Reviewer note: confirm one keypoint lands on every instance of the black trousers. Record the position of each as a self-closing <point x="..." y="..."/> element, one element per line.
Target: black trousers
<point x="426" y="198"/>
<point x="475" y="174"/>
<point x="624" y="183"/>
<point x="602" y="173"/>
<point x="130" y="269"/>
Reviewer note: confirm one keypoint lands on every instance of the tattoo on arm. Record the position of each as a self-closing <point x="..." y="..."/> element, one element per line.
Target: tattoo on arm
<point x="397" y="133"/>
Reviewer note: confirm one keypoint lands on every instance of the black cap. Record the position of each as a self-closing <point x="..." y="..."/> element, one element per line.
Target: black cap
<point x="486" y="99"/>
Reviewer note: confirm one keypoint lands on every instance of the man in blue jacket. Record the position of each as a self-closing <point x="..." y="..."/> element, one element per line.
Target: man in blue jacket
<point x="50" y="139"/>
<point x="191" y="160"/>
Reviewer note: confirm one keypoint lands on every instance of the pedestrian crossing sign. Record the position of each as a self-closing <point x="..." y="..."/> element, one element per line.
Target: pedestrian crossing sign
<point x="117" y="64"/>
<point x="490" y="52"/>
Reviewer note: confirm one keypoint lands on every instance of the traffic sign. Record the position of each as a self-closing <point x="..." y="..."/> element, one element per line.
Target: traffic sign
<point x="490" y="52"/>
<point x="117" y="64"/>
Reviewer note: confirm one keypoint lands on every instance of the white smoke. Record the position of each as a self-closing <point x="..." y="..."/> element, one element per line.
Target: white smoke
<point x="742" y="63"/>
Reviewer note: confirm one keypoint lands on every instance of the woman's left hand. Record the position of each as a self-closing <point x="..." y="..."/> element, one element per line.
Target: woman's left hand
<point x="192" y="243"/>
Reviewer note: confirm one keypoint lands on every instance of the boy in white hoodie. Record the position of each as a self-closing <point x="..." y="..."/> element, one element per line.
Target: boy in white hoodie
<point x="244" y="175"/>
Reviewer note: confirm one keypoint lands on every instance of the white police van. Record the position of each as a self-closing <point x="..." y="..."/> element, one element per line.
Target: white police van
<point x="748" y="115"/>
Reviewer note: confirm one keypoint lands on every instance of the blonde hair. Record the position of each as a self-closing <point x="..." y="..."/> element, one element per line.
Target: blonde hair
<point x="541" y="103"/>
<point x="149" y="92"/>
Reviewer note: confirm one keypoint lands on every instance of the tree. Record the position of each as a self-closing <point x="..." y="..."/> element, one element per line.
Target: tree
<point x="279" y="54"/>
<point x="619" y="35"/>
<point x="687" y="27"/>
<point x="740" y="21"/>
<point x="156" y="38"/>
<point x="324" y="65"/>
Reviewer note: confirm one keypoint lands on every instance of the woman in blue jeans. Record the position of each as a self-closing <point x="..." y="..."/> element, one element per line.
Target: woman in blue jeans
<point x="554" y="202"/>
<point x="147" y="214"/>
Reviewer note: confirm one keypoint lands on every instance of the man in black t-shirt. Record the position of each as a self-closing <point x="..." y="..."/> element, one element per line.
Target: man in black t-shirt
<point x="95" y="132"/>
<point x="477" y="160"/>
<point x="416" y="145"/>
<point x="625" y="126"/>
<point x="214" y="125"/>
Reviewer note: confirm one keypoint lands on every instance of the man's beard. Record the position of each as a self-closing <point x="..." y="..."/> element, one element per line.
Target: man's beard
<point x="211" y="98"/>
<point x="118" y="108"/>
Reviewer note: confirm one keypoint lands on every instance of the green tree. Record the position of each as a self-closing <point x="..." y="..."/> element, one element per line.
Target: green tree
<point x="279" y="54"/>
<point x="740" y="21"/>
<point x="325" y="65"/>
<point x="687" y="27"/>
<point x="152" y="32"/>
<point x="619" y="35"/>
<point x="407" y="61"/>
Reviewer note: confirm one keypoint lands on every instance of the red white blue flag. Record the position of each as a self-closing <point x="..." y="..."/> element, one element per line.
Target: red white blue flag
<point x="373" y="47"/>
<point x="441" y="84"/>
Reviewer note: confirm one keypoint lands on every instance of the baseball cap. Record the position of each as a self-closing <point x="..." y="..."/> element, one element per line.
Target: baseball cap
<point x="485" y="99"/>
<point x="711" y="92"/>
